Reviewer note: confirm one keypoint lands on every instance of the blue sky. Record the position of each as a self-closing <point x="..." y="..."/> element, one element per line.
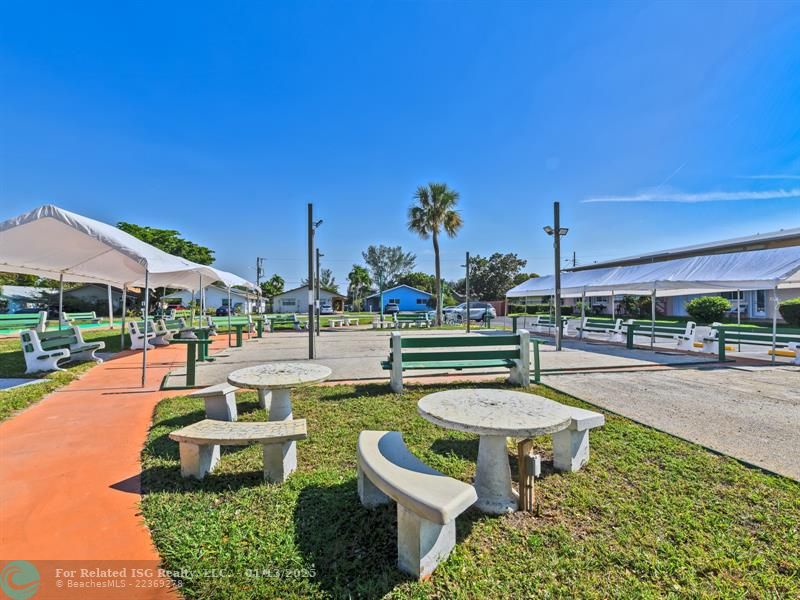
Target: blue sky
<point x="654" y="124"/>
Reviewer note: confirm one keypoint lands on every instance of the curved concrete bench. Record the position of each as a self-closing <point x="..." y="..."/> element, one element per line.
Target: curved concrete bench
<point x="200" y="442"/>
<point x="428" y="501"/>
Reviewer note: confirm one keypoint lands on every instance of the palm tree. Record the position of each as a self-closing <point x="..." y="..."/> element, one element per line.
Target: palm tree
<point x="434" y="212"/>
<point x="359" y="281"/>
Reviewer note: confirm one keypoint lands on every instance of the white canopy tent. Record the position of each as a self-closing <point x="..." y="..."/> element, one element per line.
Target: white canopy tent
<point x="773" y="269"/>
<point x="58" y="244"/>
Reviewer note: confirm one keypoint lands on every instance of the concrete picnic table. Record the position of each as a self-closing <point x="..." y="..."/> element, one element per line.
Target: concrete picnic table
<point x="274" y="382"/>
<point x="494" y="415"/>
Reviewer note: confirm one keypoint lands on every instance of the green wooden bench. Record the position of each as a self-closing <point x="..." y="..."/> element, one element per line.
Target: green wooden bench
<point x="237" y="322"/>
<point x="412" y="320"/>
<point x="44" y="350"/>
<point x="722" y="335"/>
<point x="285" y="321"/>
<point x="37" y="321"/>
<point x="681" y="333"/>
<point x="77" y="318"/>
<point x="447" y="352"/>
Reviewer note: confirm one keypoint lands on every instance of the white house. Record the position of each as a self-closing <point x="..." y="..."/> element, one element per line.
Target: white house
<point x="245" y="302"/>
<point x="296" y="300"/>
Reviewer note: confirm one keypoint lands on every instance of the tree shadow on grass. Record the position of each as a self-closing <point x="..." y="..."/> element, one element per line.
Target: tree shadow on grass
<point x="168" y="479"/>
<point x="367" y="390"/>
<point x="353" y="549"/>
<point x="466" y="449"/>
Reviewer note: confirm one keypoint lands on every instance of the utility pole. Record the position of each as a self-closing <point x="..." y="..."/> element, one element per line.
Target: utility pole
<point x="466" y="285"/>
<point x="557" y="232"/>
<point x="312" y="351"/>
<point x="574" y="259"/>
<point x="259" y="270"/>
<point x="316" y="290"/>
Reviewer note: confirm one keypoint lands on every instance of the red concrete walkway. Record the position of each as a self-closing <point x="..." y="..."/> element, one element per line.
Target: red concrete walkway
<point x="69" y="479"/>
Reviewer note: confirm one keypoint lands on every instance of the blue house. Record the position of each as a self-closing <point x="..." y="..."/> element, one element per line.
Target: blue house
<point x="409" y="298"/>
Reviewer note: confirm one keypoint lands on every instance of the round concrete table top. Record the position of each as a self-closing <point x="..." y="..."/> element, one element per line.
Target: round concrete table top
<point x="494" y="412"/>
<point x="279" y="375"/>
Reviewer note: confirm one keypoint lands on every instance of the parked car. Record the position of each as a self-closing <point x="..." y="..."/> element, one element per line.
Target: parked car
<point x="222" y="311"/>
<point x="391" y="308"/>
<point x="325" y="308"/>
<point x="477" y="311"/>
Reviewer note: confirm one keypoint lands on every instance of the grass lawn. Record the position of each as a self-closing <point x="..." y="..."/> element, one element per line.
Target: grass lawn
<point x="12" y="364"/>
<point x="649" y="516"/>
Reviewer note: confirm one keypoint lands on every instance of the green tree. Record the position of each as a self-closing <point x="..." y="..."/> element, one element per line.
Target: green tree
<point x="272" y="287"/>
<point x="523" y="277"/>
<point x="707" y="309"/>
<point x="421" y="281"/>
<point x="170" y="241"/>
<point x="359" y="283"/>
<point x="387" y="263"/>
<point x="327" y="281"/>
<point x="433" y="213"/>
<point x="490" y="278"/>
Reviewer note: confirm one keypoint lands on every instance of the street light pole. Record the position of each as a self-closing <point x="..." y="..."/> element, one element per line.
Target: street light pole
<point x="312" y="351"/>
<point x="316" y="291"/>
<point x="466" y="285"/>
<point x="557" y="232"/>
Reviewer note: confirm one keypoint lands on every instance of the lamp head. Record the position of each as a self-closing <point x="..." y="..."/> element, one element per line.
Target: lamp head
<point x="563" y="231"/>
<point x="548" y="230"/>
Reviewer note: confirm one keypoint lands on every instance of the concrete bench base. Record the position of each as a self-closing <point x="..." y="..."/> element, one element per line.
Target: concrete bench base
<point x="200" y="445"/>
<point x="220" y="401"/>
<point x="571" y="445"/>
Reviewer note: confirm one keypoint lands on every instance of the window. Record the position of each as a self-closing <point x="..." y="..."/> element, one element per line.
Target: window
<point x="761" y="301"/>
<point x="421" y="301"/>
<point x="394" y="300"/>
<point x="288" y="301"/>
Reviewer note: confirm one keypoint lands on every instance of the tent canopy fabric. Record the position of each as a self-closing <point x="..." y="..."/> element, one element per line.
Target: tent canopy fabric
<point x="756" y="270"/>
<point x="52" y="242"/>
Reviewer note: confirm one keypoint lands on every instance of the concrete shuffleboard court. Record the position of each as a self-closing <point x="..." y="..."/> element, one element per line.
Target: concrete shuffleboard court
<point x="749" y="412"/>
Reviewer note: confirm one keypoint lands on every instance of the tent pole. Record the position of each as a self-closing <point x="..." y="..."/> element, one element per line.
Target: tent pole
<point x="146" y="313"/>
<point x="739" y="315"/>
<point x="774" y="320"/>
<point x="653" y="320"/>
<point x="122" y="331"/>
<point x="199" y="305"/>
<point x="230" y="308"/>
<point x="110" y="310"/>
<point x="583" y="311"/>
<point x="613" y="308"/>
<point x="60" y="300"/>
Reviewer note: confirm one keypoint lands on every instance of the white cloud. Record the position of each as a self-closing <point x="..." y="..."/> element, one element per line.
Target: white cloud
<point x="701" y="197"/>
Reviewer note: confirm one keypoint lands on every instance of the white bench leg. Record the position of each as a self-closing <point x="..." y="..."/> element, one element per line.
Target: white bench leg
<point x="396" y="381"/>
<point x="369" y="495"/>
<point x="280" y="460"/>
<point x="570" y="449"/>
<point x="198" y="460"/>
<point x="422" y="544"/>
<point x="264" y="398"/>
<point x="221" y="407"/>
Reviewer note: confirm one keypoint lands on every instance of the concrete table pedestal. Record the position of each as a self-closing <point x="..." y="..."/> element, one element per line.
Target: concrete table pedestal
<point x="274" y="382"/>
<point x="495" y="415"/>
<point x="493" y="482"/>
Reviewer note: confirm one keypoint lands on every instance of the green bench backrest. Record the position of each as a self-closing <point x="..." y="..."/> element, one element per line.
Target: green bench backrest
<point x="234" y="320"/>
<point x="459" y="342"/>
<point x="83" y="315"/>
<point x="51" y="340"/>
<point x="19" y="320"/>
<point x="759" y="336"/>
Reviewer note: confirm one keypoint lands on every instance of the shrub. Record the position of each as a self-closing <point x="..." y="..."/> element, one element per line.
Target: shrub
<point x="708" y="309"/>
<point x="790" y="311"/>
